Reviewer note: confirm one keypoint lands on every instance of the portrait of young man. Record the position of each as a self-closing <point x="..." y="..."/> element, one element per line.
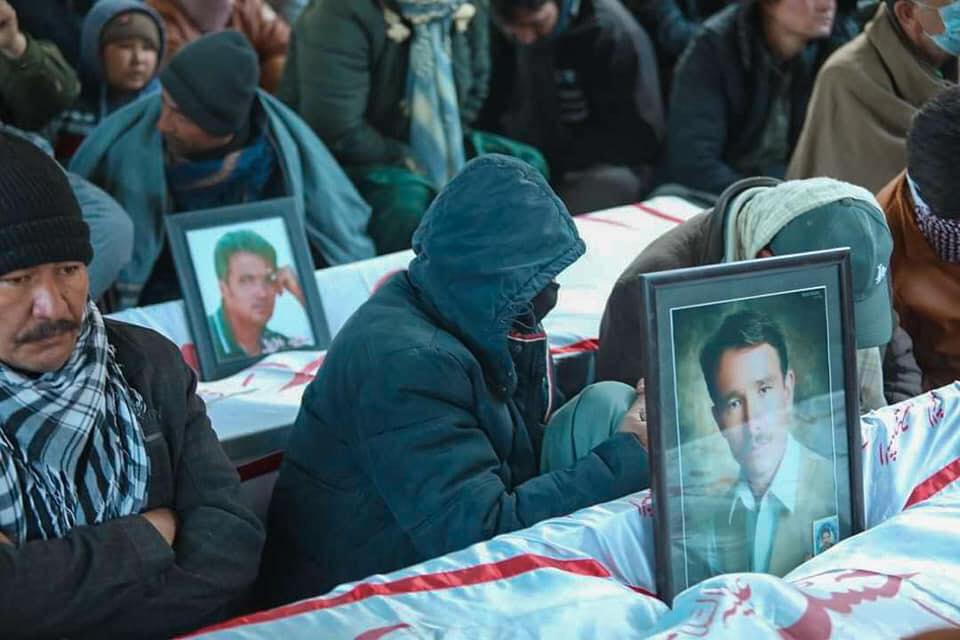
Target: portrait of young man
<point x="764" y="521"/>
<point x="250" y="281"/>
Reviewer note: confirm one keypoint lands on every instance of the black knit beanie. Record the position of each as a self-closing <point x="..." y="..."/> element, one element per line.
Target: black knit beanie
<point x="40" y="219"/>
<point x="214" y="80"/>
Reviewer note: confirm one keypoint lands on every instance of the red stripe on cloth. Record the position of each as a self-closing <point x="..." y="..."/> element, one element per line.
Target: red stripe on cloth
<point x="466" y="577"/>
<point x="590" y="344"/>
<point x="616" y="223"/>
<point x="934" y="484"/>
<point x="261" y="466"/>
<point x="658" y="214"/>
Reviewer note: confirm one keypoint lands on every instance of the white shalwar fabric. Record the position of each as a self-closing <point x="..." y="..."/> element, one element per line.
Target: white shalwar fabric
<point x="591" y="574"/>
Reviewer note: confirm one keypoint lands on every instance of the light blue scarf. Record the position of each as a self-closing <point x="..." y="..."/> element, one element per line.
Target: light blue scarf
<point x="436" y="135"/>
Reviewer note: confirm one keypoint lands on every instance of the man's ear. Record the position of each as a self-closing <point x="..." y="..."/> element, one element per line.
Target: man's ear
<point x="906" y="15"/>
<point x="716" y="417"/>
<point x="790" y="383"/>
<point x="224" y="289"/>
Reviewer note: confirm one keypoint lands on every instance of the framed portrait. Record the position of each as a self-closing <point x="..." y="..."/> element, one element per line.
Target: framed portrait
<point x="248" y="283"/>
<point x="753" y="415"/>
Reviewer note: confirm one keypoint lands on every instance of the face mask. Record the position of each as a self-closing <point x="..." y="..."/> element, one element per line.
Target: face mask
<point x="545" y="301"/>
<point x="949" y="40"/>
<point x="942" y="234"/>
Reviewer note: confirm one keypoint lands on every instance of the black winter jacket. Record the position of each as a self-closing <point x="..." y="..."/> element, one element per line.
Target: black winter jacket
<point x="589" y="95"/>
<point x="120" y="579"/>
<point x="722" y="94"/>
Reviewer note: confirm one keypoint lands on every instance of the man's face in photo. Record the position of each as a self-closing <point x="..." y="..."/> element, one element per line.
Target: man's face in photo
<point x="826" y="539"/>
<point x="753" y="407"/>
<point x="250" y="291"/>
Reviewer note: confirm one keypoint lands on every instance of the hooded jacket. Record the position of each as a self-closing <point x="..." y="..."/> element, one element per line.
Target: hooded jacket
<point x="93" y="105"/>
<point x="411" y="442"/>
<point x="697" y="242"/>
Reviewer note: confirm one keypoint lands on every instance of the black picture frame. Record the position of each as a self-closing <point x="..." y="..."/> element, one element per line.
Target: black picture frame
<point x="218" y="363"/>
<point x="699" y="293"/>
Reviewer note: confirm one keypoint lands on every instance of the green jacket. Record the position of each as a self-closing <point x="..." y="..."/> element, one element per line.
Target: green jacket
<point x="348" y="80"/>
<point x="36" y="87"/>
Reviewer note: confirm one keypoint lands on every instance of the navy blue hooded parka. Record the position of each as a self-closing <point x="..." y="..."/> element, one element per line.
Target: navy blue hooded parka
<point x="413" y="441"/>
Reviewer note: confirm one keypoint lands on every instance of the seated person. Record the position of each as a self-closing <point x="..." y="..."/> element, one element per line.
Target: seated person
<point x="764" y="521"/>
<point x="250" y="281"/>
<point x="213" y="139"/>
<point x="360" y="73"/>
<point x="187" y="20"/>
<point x="577" y="79"/>
<point x="121" y="515"/>
<point x="867" y="93"/>
<point x="740" y="90"/>
<point x="761" y="217"/>
<point x="923" y="211"/>
<point x="122" y="46"/>
<point x="36" y="83"/>
<point x="424" y="430"/>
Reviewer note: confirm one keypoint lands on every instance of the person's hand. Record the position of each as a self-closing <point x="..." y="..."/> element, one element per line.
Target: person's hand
<point x="5" y="540"/>
<point x="13" y="44"/>
<point x="635" y="420"/>
<point x="287" y="280"/>
<point x="164" y="521"/>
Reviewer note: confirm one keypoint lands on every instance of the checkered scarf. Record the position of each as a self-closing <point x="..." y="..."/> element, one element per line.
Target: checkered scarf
<point x="943" y="234"/>
<point x="71" y="448"/>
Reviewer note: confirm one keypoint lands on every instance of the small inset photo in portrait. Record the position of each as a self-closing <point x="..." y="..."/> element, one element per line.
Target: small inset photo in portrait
<point x="248" y="283"/>
<point x="752" y="409"/>
<point x="826" y="533"/>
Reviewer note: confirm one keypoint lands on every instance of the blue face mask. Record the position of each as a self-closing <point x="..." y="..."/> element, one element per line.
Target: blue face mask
<point x="949" y="40"/>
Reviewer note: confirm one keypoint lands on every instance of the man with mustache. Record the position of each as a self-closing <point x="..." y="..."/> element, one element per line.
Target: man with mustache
<point x="120" y="515"/>
<point x="250" y="281"/>
<point x="783" y="486"/>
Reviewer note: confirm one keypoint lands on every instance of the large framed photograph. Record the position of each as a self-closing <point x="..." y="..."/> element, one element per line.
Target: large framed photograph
<point x="248" y="283"/>
<point x="753" y="415"/>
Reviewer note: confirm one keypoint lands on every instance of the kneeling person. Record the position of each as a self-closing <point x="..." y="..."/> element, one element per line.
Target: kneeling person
<point x="424" y="431"/>
<point x="120" y="515"/>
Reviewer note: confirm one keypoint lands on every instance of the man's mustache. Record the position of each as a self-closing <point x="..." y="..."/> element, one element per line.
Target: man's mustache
<point x="46" y="330"/>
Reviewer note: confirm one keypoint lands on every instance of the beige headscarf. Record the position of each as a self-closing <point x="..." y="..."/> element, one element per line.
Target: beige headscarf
<point x="758" y="214"/>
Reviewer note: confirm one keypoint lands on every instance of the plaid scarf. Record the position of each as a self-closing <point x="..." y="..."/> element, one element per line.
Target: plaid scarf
<point x="942" y="234"/>
<point x="436" y="135"/>
<point x="71" y="448"/>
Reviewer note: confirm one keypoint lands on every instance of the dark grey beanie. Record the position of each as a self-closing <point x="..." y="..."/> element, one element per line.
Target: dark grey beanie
<point x="40" y="219"/>
<point x="214" y="80"/>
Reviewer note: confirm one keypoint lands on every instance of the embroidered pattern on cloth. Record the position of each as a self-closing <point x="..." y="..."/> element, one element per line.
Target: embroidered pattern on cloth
<point x="942" y="234"/>
<point x="72" y="451"/>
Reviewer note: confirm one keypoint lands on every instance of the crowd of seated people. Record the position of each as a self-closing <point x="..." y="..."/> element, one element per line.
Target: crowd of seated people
<point x="471" y="132"/>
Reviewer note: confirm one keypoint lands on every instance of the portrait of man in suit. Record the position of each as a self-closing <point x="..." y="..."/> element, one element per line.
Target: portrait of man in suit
<point x="764" y="521"/>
